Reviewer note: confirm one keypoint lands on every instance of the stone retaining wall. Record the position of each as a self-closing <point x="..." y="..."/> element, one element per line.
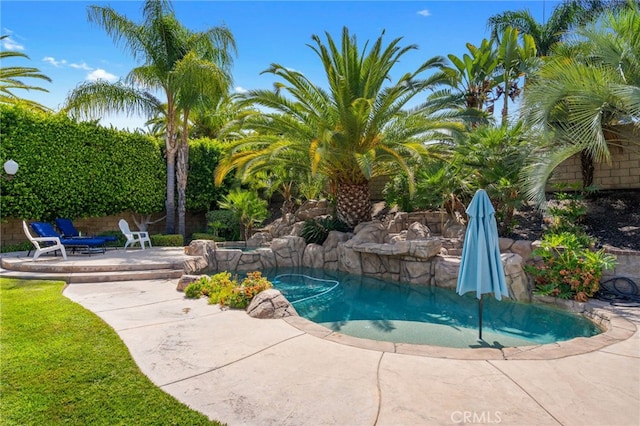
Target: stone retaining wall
<point x="416" y="262"/>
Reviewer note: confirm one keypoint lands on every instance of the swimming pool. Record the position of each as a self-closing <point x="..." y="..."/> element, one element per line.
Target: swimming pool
<point x="402" y="313"/>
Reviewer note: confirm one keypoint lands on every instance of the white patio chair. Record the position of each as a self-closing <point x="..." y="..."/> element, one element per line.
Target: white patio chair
<point x="133" y="237"/>
<point x="41" y="249"/>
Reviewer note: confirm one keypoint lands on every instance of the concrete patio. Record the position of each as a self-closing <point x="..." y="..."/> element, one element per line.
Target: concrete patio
<point x="245" y="371"/>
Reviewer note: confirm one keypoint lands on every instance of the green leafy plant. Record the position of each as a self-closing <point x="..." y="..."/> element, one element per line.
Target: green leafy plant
<point x="224" y="224"/>
<point x="248" y="208"/>
<point x="568" y="270"/>
<point x="172" y="240"/>
<point x="221" y="288"/>
<point x="205" y="236"/>
<point x="317" y="230"/>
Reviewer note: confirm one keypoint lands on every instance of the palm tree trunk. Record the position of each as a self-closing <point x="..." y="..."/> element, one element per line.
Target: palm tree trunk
<point x="586" y="162"/>
<point x="170" y="204"/>
<point x="182" y="174"/>
<point x="354" y="204"/>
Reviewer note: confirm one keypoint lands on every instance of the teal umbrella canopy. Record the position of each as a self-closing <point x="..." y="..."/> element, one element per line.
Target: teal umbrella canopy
<point x="480" y="267"/>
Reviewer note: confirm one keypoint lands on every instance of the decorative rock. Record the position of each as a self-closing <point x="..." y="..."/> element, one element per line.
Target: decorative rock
<point x="446" y="271"/>
<point x="288" y="251"/>
<point x="397" y="223"/>
<point x="185" y="280"/>
<point x="416" y="272"/>
<point x="453" y="229"/>
<point x="282" y="226"/>
<point x="517" y="280"/>
<point x="505" y="244"/>
<point x="418" y="231"/>
<point x="313" y="208"/>
<point x="313" y="256"/>
<point x="259" y="239"/>
<point x="522" y="248"/>
<point x="196" y="265"/>
<point x="369" y="232"/>
<point x="270" y="304"/>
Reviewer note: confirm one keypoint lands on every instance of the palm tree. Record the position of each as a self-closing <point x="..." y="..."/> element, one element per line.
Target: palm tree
<point x="583" y="97"/>
<point x="349" y="133"/>
<point x="546" y="34"/>
<point x="167" y="51"/>
<point x="473" y="75"/>
<point x="516" y="58"/>
<point x="11" y="78"/>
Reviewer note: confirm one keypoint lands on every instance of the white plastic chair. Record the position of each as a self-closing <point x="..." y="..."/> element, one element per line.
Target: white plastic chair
<point x="133" y="237"/>
<point x="57" y="245"/>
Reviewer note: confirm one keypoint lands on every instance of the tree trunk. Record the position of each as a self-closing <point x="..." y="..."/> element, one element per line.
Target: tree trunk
<point x="505" y="107"/>
<point x="170" y="147"/>
<point x="586" y="162"/>
<point x="170" y="203"/>
<point x="182" y="174"/>
<point x="354" y="204"/>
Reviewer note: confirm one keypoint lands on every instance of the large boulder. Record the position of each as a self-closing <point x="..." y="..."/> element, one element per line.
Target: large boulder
<point x="270" y="304"/>
<point x="418" y="231"/>
<point x="369" y="232"/>
<point x="282" y="226"/>
<point x="313" y="208"/>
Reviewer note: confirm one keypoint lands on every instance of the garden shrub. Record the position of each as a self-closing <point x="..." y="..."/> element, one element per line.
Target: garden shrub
<point x="224" y="224"/>
<point x="202" y="193"/>
<point x="568" y="266"/>
<point x="171" y="240"/>
<point x="205" y="236"/>
<point x="568" y="270"/>
<point x="222" y="289"/>
<point x="77" y="169"/>
<point x="317" y="230"/>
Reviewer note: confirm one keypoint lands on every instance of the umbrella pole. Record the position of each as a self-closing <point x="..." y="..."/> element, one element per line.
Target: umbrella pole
<point x="480" y="317"/>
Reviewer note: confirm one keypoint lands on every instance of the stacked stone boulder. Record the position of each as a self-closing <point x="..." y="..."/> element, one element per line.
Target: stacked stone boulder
<point x="411" y="255"/>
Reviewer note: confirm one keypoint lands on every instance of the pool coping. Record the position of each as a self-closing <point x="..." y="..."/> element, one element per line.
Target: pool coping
<point x="616" y="329"/>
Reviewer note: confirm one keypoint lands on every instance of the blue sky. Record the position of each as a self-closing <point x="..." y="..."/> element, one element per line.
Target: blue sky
<point x="60" y="41"/>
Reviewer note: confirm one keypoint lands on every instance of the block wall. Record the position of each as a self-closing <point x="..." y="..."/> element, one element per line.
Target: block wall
<point x="11" y="228"/>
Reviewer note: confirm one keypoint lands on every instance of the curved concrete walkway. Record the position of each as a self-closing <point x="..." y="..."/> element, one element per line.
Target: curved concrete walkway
<point x="245" y="371"/>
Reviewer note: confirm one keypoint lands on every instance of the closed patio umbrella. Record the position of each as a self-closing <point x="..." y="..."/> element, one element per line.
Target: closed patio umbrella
<point x="481" y="268"/>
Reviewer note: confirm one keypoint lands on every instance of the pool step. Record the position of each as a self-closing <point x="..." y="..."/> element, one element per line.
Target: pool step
<point x="97" y="277"/>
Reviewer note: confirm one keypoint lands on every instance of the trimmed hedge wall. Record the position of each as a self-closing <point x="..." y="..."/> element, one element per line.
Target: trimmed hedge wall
<point x="202" y="194"/>
<point x="71" y="169"/>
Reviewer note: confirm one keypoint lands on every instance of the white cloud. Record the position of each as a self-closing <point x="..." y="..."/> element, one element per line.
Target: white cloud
<point x="101" y="74"/>
<point x="424" y="12"/>
<point x="240" y="89"/>
<point x="10" y="44"/>
<point x="54" y="62"/>
<point x="82" y="66"/>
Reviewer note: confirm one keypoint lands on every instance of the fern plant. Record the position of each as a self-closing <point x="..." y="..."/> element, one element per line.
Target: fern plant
<point x="316" y="231"/>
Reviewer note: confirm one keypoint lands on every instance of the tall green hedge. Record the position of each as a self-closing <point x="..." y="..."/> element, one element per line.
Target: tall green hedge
<point x="71" y="169"/>
<point x="202" y="194"/>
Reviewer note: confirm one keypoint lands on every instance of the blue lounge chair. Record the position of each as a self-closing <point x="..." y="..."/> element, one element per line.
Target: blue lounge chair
<point x="68" y="230"/>
<point x="43" y="229"/>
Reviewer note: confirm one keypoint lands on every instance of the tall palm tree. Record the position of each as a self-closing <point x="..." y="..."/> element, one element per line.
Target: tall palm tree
<point x="473" y="75"/>
<point x="11" y="79"/>
<point x="582" y="97"/>
<point x="351" y="132"/>
<point x="547" y="34"/>
<point x="167" y="50"/>
<point x="516" y="58"/>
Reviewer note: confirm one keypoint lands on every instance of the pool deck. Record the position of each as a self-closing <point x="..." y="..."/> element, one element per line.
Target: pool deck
<point x="245" y="371"/>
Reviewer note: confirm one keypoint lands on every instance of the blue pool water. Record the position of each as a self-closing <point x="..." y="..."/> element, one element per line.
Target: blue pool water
<point x="397" y="312"/>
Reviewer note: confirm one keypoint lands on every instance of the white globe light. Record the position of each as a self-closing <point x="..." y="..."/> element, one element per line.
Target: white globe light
<point x="11" y="167"/>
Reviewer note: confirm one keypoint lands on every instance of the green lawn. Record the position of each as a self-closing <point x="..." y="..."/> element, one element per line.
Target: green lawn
<point x="60" y="363"/>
